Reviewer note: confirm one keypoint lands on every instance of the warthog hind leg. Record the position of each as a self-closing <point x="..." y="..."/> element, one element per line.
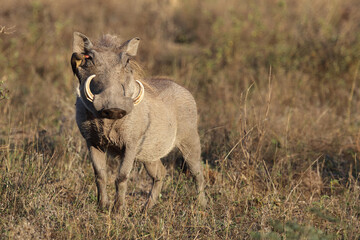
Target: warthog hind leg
<point x="191" y="150"/>
<point x="157" y="172"/>
<point x="99" y="164"/>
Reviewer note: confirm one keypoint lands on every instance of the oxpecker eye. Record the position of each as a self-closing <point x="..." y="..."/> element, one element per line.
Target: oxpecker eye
<point x="88" y="59"/>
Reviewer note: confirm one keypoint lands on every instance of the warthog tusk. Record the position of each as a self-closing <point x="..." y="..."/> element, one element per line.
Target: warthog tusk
<point x="88" y="94"/>
<point x="140" y="96"/>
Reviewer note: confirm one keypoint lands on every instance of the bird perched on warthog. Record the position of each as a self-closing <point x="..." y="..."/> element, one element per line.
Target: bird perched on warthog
<point x="124" y="117"/>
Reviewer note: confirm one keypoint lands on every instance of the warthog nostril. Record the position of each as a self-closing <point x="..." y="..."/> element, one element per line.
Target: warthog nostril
<point x="113" y="113"/>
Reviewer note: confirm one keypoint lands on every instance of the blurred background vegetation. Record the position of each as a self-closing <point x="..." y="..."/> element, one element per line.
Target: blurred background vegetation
<point x="277" y="88"/>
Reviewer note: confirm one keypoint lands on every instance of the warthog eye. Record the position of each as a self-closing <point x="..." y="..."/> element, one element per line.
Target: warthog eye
<point x="88" y="62"/>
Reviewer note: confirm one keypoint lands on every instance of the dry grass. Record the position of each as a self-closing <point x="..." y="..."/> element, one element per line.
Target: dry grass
<point x="277" y="88"/>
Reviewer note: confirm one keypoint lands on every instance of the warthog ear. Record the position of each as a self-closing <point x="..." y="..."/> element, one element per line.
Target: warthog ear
<point x="81" y="43"/>
<point x="131" y="46"/>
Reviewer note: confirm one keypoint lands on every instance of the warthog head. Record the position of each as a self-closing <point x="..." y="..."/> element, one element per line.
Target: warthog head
<point x="107" y="84"/>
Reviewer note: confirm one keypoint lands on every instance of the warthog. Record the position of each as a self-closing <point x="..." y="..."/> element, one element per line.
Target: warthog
<point x="129" y="118"/>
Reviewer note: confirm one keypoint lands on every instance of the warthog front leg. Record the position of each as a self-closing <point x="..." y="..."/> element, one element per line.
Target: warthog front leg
<point x="157" y="172"/>
<point x="99" y="164"/>
<point x="191" y="150"/>
<point x="122" y="179"/>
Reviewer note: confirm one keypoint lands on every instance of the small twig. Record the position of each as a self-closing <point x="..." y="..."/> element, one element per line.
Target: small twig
<point x="43" y="173"/>
<point x="5" y="147"/>
<point x="241" y="139"/>
<point x="267" y="172"/>
<point x="214" y="128"/>
<point x="269" y="96"/>
<point x="7" y="31"/>
<point x="245" y="103"/>
<point x="302" y="174"/>
<point x="262" y="126"/>
<point x="352" y="92"/>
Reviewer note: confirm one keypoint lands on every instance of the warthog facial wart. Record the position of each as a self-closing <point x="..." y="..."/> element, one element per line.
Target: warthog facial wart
<point x="125" y="117"/>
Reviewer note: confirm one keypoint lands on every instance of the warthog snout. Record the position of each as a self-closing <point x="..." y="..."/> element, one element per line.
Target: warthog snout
<point x="106" y="104"/>
<point x="114" y="109"/>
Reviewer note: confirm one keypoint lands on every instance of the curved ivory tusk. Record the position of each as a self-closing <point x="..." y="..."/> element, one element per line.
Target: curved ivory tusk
<point x="88" y="94"/>
<point x="140" y="96"/>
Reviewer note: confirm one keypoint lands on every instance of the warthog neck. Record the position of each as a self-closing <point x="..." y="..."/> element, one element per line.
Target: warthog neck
<point x="106" y="132"/>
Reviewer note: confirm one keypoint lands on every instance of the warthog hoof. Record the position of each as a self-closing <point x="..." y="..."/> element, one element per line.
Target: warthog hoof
<point x="202" y="200"/>
<point x="119" y="209"/>
<point x="104" y="206"/>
